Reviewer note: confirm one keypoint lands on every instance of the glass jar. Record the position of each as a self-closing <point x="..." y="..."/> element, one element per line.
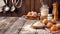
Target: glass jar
<point x="49" y="17"/>
<point x="44" y="12"/>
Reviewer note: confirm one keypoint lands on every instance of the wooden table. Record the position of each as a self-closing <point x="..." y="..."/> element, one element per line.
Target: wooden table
<point x="19" y="25"/>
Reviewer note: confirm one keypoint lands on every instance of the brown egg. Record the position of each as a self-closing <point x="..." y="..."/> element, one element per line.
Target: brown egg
<point x="54" y="28"/>
<point x="45" y="21"/>
<point x="49" y="25"/>
<point x="58" y="25"/>
<point x="53" y="21"/>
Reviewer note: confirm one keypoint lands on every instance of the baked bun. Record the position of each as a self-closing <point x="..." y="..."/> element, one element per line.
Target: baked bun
<point x="29" y="14"/>
<point x="34" y="14"/>
<point x="54" y="28"/>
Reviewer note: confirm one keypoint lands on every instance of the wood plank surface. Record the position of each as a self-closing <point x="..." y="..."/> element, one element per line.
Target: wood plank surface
<point x="42" y="31"/>
<point x="15" y="28"/>
<point x="20" y="25"/>
<point x="2" y="18"/>
<point x="37" y="5"/>
<point x="32" y="5"/>
<point x="23" y="8"/>
<point x="6" y="24"/>
<point x="27" y="5"/>
<point x="27" y="28"/>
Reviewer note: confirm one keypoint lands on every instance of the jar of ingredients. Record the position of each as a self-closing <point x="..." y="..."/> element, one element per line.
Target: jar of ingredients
<point x="44" y="12"/>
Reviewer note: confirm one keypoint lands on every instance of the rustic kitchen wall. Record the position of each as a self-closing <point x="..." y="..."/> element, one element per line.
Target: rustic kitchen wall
<point x="28" y="5"/>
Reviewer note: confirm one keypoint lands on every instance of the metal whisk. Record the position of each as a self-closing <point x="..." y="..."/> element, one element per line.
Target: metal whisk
<point x="6" y="8"/>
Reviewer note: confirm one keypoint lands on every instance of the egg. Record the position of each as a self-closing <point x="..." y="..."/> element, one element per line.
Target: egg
<point x="49" y="25"/>
<point x="45" y="21"/>
<point x="58" y="25"/>
<point x="53" y="21"/>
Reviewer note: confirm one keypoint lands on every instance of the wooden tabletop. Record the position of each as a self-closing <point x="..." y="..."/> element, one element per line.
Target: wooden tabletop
<point x="19" y="25"/>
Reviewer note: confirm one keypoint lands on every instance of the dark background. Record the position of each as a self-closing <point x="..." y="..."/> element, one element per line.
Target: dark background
<point x="29" y="5"/>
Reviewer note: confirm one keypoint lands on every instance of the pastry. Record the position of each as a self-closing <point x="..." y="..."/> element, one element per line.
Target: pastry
<point x="54" y="28"/>
<point x="38" y="25"/>
<point x="34" y="14"/>
<point x="29" y="14"/>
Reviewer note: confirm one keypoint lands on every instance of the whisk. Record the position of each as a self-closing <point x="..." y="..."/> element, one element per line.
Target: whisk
<point x="13" y="6"/>
<point x="6" y="8"/>
<point x="20" y="3"/>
